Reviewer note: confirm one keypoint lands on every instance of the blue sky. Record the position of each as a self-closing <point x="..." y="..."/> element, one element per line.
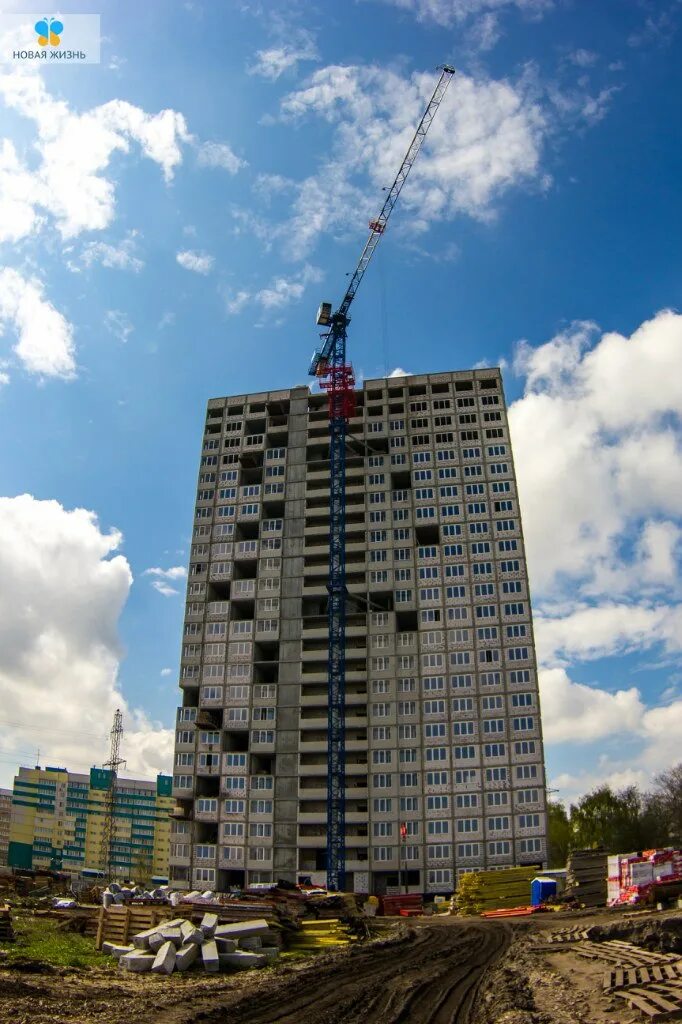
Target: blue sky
<point x="170" y="220"/>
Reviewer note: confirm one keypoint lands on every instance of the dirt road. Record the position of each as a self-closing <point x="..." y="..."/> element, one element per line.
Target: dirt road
<point x="426" y="975"/>
<point x="431" y="976"/>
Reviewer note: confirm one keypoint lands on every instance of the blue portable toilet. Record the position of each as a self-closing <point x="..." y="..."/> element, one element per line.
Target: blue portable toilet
<point x="541" y="890"/>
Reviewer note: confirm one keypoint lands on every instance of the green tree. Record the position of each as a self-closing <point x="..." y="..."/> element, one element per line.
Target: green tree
<point x="615" y="821"/>
<point x="664" y="805"/>
<point x="559" y="834"/>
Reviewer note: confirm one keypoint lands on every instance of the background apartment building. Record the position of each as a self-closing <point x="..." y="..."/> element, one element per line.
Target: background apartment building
<point x="443" y="737"/>
<point x="5" y="817"/>
<point x="58" y="818"/>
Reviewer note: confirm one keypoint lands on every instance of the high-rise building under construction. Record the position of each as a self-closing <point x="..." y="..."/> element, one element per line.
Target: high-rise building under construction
<point x="444" y="759"/>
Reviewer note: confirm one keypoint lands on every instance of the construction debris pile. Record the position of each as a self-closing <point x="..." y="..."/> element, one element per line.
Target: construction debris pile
<point x="6" y="930"/>
<point x="481" y="892"/>
<point x="586" y="878"/>
<point x="178" y="944"/>
<point x="634" y="877"/>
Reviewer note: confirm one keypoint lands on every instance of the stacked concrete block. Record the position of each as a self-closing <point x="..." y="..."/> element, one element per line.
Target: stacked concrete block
<point x="176" y="945"/>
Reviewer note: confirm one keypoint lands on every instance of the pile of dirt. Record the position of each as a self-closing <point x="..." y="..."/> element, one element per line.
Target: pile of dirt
<point x="660" y="934"/>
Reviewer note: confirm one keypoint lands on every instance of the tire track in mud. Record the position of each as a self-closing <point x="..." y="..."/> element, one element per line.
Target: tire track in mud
<point x="431" y="976"/>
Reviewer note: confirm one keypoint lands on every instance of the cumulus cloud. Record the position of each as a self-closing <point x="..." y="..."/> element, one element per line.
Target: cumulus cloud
<point x="597" y="439"/>
<point x="198" y="262"/>
<point x="163" y="578"/>
<point x="65" y="584"/>
<point x="18" y="194"/>
<point x="573" y="712"/>
<point x="219" y="154"/>
<point x="75" y="151"/>
<point x="597" y="442"/>
<point x="44" y="337"/>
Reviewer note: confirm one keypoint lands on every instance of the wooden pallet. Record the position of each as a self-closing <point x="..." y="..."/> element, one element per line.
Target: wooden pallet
<point x="119" y="924"/>
<point x="626" y="977"/>
<point x="657" y="1002"/>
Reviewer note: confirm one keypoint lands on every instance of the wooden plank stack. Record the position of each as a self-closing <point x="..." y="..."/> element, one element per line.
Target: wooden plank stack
<point x="481" y="891"/>
<point x="586" y="877"/>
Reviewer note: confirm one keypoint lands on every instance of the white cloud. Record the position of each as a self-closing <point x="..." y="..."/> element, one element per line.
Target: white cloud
<point x="118" y="257"/>
<point x="399" y="372"/>
<point x="451" y="12"/>
<point x="282" y="291"/>
<point x="198" y="262"/>
<point x="162" y="578"/>
<point x="18" y="195"/>
<point x="75" y="151"/>
<point x="597" y="440"/>
<point x="487" y="138"/>
<point x="64" y="587"/>
<point x="575" y="713"/>
<point x="219" y="154"/>
<point x="44" y="336"/>
<point x="274" y="61"/>
<point x="277" y="294"/>
<point x="583" y="58"/>
<point x="166" y="672"/>
<point x="118" y="324"/>
<point x="598" y="445"/>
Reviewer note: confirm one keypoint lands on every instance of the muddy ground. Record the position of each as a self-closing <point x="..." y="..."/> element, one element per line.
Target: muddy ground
<point x="445" y="971"/>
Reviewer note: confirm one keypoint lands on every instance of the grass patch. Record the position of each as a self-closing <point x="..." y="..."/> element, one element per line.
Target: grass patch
<point x="40" y="939"/>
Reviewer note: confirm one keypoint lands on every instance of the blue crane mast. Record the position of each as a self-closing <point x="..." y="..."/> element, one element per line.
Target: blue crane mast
<point x="336" y="378"/>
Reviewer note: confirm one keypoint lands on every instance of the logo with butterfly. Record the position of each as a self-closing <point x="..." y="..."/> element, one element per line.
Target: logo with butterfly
<point x="49" y="31"/>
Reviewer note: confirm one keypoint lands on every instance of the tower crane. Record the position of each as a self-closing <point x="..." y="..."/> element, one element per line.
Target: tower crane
<point x="336" y="378"/>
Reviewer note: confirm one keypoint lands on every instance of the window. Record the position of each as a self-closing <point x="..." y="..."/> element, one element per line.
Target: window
<point x="467" y="800"/>
<point x="383" y="853"/>
<point x="381" y="780"/>
<point x="382" y="805"/>
<point x="501" y="848"/>
<point x="436" y="827"/>
<point x="528" y="796"/>
<point x="523" y="724"/>
<point x="517" y="654"/>
<point x="465" y="776"/>
<point x="493" y="725"/>
<point x="382" y="829"/>
<point x="234" y="806"/>
<point x="495" y="750"/>
<point x="436" y="778"/>
<point x="408" y="780"/>
<point x="529" y="821"/>
<point x="463" y="728"/>
<point x="462" y="705"/>
<point x="526" y="771"/>
<point x="260" y="806"/>
<point x="500" y="824"/>
<point x="440" y="851"/>
<point x="434" y="754"/>
<point x="496" y="775"/>
<point x="522" y="700"/>
<point x="384" y="756"/>
<point x="530" y="846"/>
<point x="409" y="803"/>
<point x="465" y="753"/>
<point x="468" y="850"/>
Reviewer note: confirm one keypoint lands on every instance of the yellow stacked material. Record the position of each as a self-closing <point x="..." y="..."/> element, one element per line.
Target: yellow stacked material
<point x="319" y="935"/>
<point x="494" y="890"/>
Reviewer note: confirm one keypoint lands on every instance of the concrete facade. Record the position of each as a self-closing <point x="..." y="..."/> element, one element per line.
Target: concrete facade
<point x="444" y="746"/>
<point x="57" y="822"/>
